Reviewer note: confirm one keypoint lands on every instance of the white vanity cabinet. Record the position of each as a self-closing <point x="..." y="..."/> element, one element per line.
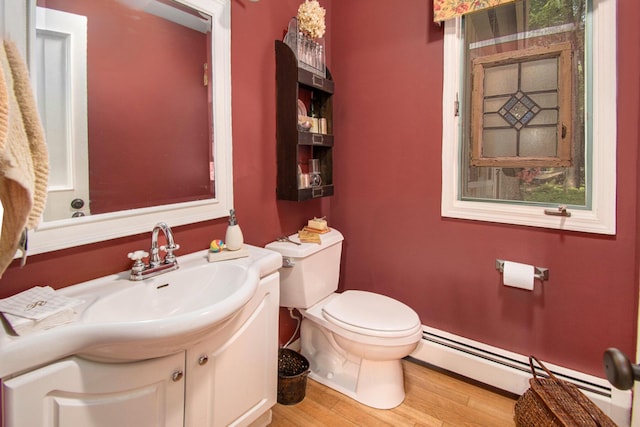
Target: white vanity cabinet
<point x="229" y="378"/>
<point x="78" y="392"/>
<point x="233" y="380"/>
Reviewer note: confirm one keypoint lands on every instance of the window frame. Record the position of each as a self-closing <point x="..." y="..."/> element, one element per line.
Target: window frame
<point x="599" y="214"/>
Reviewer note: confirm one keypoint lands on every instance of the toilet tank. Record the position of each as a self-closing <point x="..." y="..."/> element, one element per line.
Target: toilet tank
<point x="310" y="271"/>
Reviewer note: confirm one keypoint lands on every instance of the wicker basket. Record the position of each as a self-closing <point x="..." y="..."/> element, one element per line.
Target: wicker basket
<point x="554" y="402"/>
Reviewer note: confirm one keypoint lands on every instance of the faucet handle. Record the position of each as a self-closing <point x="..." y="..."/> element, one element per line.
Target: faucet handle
<point x="169" y="257"/>
<point x="170" y="248"/>
<point x="137" y="255"/>
<point x="138" y="265"/>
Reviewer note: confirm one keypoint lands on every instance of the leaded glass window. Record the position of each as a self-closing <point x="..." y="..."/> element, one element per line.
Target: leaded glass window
<point x="521" y="108"/>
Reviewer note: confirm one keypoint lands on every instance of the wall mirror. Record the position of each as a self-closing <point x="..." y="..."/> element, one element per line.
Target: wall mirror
<point x="138" y="130"/>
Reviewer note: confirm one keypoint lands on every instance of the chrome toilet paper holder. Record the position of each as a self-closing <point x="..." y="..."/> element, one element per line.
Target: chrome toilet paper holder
<point x="540" y="273"/>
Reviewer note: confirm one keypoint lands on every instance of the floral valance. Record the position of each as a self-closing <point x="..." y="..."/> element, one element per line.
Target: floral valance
<point x="447" y="9"/>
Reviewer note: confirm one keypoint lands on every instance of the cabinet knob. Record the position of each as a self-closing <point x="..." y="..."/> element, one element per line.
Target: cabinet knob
<point x="177" y="375"/>
<point x="203" y="360"/>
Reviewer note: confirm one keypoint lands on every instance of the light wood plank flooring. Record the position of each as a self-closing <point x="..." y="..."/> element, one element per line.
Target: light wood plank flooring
<point x="433" y="398"/>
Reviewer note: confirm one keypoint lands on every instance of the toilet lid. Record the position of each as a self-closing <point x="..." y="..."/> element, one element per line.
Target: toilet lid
<point x="371" y="314"/>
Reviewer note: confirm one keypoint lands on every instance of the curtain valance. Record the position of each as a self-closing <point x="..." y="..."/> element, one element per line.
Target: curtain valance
<point x="447" y="9"/>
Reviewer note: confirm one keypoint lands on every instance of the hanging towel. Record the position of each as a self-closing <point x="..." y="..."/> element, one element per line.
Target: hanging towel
<point x="24" y="163"/>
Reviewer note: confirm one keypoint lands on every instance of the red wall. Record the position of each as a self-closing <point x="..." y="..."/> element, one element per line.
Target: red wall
<point x="388" y="71"/>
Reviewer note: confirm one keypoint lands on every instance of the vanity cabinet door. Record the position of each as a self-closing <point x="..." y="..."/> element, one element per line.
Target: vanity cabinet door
<point x="80" y="393"/>
<point x="233" y="378"/>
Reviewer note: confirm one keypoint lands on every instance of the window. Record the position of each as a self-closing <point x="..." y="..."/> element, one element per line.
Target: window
<point x="519" y="81"/>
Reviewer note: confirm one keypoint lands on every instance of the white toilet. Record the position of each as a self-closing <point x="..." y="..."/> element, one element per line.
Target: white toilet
<point x="354" y="340"/>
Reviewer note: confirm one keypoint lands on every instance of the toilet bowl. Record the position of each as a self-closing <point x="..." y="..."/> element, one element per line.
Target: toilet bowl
<point x="354" y="340"/>
<point x="353" y="355"/>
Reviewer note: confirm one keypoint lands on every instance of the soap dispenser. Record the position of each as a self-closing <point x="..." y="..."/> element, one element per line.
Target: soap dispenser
<point x="233" y="239"/>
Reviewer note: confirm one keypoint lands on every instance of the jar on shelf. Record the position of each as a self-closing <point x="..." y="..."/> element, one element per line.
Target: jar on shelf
<point x="309" y="52"/>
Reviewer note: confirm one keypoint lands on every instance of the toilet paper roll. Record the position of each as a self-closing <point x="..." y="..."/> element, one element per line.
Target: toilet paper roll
<point x="518" y="275"/>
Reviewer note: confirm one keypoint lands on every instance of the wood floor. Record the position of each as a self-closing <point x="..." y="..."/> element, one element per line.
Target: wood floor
<point x="433" y="399"/>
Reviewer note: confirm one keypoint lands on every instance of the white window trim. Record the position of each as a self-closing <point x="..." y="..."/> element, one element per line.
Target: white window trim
<point x="601" y="218"/>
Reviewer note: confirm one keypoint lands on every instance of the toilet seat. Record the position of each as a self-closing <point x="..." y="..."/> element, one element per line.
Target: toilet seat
<point x="371" y="314"/>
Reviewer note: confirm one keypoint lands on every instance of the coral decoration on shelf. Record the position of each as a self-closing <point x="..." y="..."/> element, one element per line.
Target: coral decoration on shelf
<point x="304" y="37"/>
<point x="311" y="19"/>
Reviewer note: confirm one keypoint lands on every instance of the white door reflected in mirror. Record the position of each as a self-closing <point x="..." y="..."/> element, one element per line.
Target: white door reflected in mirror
<point x="61" y="93"/>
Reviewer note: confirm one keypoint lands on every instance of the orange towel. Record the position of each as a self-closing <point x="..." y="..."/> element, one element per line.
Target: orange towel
<point x="24" y="160"/>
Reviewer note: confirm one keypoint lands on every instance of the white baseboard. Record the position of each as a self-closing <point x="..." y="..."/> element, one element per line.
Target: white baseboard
<point x="511" y="372"/>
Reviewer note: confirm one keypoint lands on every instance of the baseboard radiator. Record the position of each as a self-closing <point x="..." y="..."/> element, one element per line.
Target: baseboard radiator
<point x="511" y="372"/>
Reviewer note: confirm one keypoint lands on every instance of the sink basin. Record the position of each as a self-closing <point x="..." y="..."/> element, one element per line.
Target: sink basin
<point x="123" y="320"/>
<point x="178" y="293"/>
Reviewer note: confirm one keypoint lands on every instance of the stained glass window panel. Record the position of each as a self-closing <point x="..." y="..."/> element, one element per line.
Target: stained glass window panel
<point x="492" y="105"/>
<point x="540" y="75"/>
<point x="494" y="120"/>
<point x="501" y="80"/>
<point x="538" y="142"/>
<point x="545" y="117"/>
<point x="507" y="86"/>
<point x="500" y="143"/>
<point x="545" y="100"/>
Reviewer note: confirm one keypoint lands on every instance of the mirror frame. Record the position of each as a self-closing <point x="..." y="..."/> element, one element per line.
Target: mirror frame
<point x="72" y="232"/>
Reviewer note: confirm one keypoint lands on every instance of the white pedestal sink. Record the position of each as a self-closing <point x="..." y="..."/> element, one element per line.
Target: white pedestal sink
<point x="122" y="320"/>
<point x="218" y="288"/>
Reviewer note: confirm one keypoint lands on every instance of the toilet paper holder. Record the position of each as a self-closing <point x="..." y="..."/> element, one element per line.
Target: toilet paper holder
<point x="540" y="273"/>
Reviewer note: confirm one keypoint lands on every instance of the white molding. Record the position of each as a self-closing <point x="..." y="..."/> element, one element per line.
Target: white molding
<point x="68" y="233"/>
<point x="601" y="218"/>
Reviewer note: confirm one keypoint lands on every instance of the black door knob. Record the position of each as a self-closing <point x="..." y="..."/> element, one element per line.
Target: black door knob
<point x="77" y="203"/>
<point x="620" y="371"/>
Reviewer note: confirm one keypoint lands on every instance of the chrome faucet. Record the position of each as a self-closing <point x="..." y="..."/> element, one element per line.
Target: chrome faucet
<point x="140" y="271"/>
<point x="154" y="261"/>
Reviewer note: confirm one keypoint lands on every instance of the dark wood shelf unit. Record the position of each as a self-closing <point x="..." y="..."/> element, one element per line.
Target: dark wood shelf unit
<point x="295" y="147"/>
